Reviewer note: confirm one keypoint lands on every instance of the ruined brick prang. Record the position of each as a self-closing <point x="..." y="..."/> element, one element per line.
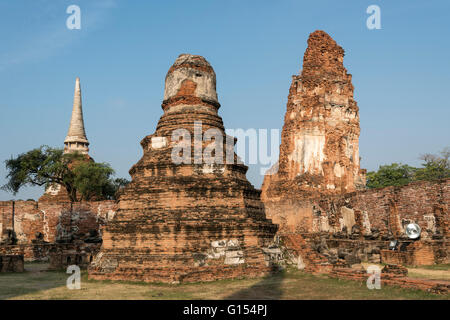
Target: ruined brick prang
<point x="189" y="221"/>
<point x="319" y="150"/>
<point x="316" y="192"/>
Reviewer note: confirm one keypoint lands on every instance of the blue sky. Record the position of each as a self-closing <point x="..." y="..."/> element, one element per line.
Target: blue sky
<point x="401" y="73"/>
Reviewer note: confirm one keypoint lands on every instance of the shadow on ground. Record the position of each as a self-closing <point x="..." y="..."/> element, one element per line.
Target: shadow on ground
<point x="269" y="288"/>
<point x="35" y="278"/>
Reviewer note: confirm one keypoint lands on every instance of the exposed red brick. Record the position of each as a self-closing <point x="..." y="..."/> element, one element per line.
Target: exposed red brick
<point x="319" y="150"/>
<point x="185" y="222"/>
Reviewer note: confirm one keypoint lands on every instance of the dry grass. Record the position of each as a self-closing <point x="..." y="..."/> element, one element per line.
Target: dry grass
<point x="292" y="284"/>
<point x="433" y="272"/>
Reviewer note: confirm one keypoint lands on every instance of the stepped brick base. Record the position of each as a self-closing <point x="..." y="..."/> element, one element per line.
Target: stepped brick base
<point x="189" y="221"/>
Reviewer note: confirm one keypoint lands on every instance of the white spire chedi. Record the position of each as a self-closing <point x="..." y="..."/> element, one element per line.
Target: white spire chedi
<point x="76" y="139"/>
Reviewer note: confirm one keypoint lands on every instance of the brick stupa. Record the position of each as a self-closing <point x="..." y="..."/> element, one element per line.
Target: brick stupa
<point x="190" y="221"/>
<point x="319" y="152"/>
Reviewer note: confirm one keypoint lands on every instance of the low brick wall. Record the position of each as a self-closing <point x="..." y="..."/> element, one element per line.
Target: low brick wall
<point x="53" y="220"/>
<point x="62" y="256"/>
<point x="393" y="279"/>
<point x="361" y="224"/>
<point x="11" y="259"/>
<point x="419" y="253"/>
<point x="59" y="255"/>
<point x="11" y="263"/>
<point x="375" y="213"/>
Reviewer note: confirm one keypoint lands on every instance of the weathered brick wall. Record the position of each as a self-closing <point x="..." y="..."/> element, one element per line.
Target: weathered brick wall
<point x="388" y="210"/>
<point x="60" y="255"/>
<point x="11" y="263"/>
<point x="6" y="209"/>
<point x="81" y="254"/>
<point x="359" y="225"/>
<point x="54" y="220"/>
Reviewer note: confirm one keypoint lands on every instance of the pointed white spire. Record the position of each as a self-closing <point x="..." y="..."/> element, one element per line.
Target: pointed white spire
<point x="76" y="139"/>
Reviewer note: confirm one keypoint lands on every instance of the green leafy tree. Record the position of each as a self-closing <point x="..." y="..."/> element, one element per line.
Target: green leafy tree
<point x="435" y="167"/>
<point x="119" y="184"/>
<point x="390" y="175"/>
<point x="45" y="166"/>
<point x="93" y="180"/>
<point x="114" y="188"/>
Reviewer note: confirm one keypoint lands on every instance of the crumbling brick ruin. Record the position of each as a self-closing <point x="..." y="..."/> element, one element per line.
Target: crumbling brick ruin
<point x="319" y="150"/>
<point x="53" y="231"/>
<point x="11" y="259"/>
<point x="317" y="197"/>
<point x="45" y="222"/>
<point x="192" y="221"/>
<point x="202" y="220"/>
<point x="359" y="226"/>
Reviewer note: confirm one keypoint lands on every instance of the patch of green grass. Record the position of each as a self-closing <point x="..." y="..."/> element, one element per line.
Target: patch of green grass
<point x="324" y="287"/>
<point x="290" y="284"/>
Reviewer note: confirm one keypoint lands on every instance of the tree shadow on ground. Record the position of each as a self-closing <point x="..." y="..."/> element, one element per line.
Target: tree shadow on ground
<point x="269" y="288"/>
<point x="36" y="278"/>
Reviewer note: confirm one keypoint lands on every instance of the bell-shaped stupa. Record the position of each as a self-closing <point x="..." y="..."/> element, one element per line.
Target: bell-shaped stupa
<point x="189" y="214"/>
